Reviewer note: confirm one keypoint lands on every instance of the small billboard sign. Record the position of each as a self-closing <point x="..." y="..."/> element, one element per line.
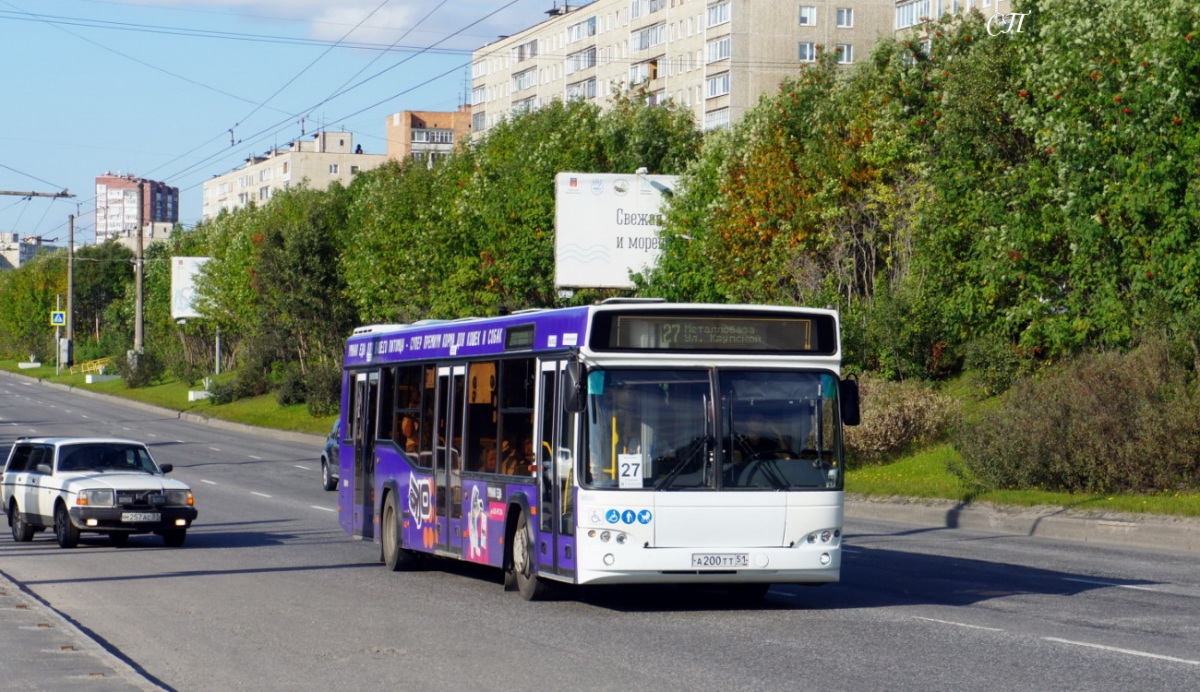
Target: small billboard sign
<point x="184" y="271"/>
<point x="607" y="225"/>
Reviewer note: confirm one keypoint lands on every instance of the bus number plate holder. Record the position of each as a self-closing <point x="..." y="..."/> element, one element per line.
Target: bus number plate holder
<point x="720" y="560"/>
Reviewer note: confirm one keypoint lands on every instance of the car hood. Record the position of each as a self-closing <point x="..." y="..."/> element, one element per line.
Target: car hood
<point x="123" y="481"/>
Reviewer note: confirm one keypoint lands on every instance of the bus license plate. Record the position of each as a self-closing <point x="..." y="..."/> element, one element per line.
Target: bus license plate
<point x="136" y="517"/>
<point x="720" y="560"/>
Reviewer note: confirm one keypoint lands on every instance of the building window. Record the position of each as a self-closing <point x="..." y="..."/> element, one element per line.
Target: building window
<point x="333" y="169"/>
<point x="718" y="50"/>
<point x="643" y="72"/>
<point x="913" y="13"/>
<point x="656" y="5"/>
<point x="808" y="15"/>
<point x="433" y="136"/>
<point x="714" y="120"/>
<point x="525" y="79"/>
<point x="525" y="51"/>
<point x="845" y="17"/>
<point x="524" y="106"/>
<point x="582" y="90"/>
<point x="581" y="30"/>
<point x="717" y="14"/>
<point x="581" y="60"/>
<point x="649" y="37"/>
<point x="718" y="85"/>
<point x="635" y="9"/>
<point x="478" y="122"/>
<point x="264" y="193"/>
<point x="845" y="53"/>
<point x="808" y="51"/>
<point x="478" y="95"/>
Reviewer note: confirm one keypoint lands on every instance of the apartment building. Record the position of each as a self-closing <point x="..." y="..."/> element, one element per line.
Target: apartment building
<point x="713" y="57"/>
<point x="319" y="161"/>
<point x="426" y="136"/>
<point x="126" y="202"/>
<point x="15" y="250"/>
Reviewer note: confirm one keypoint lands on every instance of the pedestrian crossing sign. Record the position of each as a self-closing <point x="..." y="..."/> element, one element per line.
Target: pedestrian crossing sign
<point x="58" y="318"/>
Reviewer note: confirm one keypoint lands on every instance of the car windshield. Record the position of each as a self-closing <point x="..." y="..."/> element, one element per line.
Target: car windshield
<point x="104" y="457"/>
<point x="666" y="430"/>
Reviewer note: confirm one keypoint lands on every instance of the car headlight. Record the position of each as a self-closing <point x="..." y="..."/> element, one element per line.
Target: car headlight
<point x="180" y="497"/>
<point x="100" y="497"/>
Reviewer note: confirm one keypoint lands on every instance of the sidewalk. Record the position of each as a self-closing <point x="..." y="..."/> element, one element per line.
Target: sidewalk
<point x="42" y="650"/>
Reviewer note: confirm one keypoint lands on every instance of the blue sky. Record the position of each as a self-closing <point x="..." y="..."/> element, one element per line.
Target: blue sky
<point x="153" y="87"/>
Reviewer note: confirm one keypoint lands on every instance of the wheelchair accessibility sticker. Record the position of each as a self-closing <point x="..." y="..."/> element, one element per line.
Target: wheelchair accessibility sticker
<point x="629" y="516"/>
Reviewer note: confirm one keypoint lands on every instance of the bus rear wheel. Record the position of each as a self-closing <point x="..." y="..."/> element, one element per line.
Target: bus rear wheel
<point x="395" y="555"/>
<point x="529" y="584"/>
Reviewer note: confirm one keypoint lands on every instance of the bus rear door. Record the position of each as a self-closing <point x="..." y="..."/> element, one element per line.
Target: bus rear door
<point x="447" y="457"/>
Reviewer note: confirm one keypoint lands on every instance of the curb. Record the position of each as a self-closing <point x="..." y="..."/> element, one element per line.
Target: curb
<point x="1175" y="534"/>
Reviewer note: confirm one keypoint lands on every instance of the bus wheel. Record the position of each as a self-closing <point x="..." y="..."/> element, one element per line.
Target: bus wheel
<point x="531" y="586"/>
<point x="395" y="555"/>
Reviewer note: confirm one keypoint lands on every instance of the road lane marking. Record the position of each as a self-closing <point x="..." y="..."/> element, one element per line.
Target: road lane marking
<point x="254" y="457"/>
<point x="960" y="624"/>
<point x="323" y="509"/>
<point x="259" y="494"/>
<point x="852" y="551"/>
<point x="125" y="428"/>
<point x="304" y="468"/>
<point x="202" y="480"/>
<point x="1131" y="652"/>
<point x="215" y="449"/>
<point x="1109" y="583"/>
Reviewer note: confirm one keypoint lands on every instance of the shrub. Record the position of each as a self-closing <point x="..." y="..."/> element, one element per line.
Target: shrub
<point x="149" y="370"/>
<point x="1100" y="423"/>
<point x="292" y="386"/>
<point x="323" y="390"/>
<point x="896" y="416"/>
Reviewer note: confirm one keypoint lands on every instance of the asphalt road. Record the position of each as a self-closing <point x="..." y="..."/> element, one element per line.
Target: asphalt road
<point x="270" y="594"/>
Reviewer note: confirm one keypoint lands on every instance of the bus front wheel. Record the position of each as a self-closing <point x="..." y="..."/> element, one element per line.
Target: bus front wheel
<point x="395" y="555"/>
<point x="531" y="586"/>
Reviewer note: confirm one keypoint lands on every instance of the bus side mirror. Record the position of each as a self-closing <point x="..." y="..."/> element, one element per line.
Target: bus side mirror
<point x="848" y="401"/>
<point x="575" y="394"/>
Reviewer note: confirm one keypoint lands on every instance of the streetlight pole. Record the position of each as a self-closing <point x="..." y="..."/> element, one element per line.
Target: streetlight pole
<point x="70" y="289"/>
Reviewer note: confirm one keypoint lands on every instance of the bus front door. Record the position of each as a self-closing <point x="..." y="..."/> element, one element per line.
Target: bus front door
<point x="447" y="457"/>
<point x="366" y="396"/>
<point x="556" y="474"/>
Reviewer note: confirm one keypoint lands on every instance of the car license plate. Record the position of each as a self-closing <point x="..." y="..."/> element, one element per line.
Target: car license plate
<point x="720" y="560"/>
<point x="139" y="517"/>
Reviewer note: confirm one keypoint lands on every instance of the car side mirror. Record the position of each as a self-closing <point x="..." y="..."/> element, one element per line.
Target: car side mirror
<point x="166" y="468"/>
<point x="43" y="469"/>
<point x="848" y="401"/>
<point x="575" y="394"/>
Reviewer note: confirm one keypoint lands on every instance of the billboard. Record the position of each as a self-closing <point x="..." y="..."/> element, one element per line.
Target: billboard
<point x="606" y="226"/>
<point x="184" y="271"/>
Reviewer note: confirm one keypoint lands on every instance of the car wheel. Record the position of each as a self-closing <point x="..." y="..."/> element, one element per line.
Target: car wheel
<point x="531" y="586"/>
<point x="173" y="538"/>
<point x="66" y="532"/>
<point x="22" y="532"/>
<point x="395" y="555"/>
<point x="328" y="481"/>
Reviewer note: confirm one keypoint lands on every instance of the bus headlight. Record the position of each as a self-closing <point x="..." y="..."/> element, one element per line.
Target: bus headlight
<point x="823" y="536"/>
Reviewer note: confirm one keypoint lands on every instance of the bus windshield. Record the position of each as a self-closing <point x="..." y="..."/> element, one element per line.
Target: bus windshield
<point x="712" y="429"/>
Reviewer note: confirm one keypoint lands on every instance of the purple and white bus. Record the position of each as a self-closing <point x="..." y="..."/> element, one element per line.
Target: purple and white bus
<point x="633" y="441"/>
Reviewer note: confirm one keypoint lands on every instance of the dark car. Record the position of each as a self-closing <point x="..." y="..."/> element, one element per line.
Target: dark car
<point x="329" y="457"/>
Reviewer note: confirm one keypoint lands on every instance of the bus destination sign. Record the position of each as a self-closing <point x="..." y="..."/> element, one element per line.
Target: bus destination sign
<point x="703" y="333"/>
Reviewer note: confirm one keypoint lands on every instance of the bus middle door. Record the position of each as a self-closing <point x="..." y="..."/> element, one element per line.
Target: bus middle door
<point x="366" y="398"/>
<point x="447" y="457"/>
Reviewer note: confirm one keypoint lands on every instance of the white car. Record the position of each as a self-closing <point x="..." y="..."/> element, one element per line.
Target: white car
<point x="94" y="485"/>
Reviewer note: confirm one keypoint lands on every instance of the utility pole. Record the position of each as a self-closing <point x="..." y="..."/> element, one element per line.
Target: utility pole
<point x="138" y="271"/>
<point x="70" y="289"/>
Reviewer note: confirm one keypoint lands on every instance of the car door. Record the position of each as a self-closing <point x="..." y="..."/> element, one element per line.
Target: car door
<point x="16" y="475"/>
<point x="43" y="487"/>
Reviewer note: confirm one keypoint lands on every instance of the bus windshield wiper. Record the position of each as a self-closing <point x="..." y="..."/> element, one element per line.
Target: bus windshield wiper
<point x="699" y="446"/>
